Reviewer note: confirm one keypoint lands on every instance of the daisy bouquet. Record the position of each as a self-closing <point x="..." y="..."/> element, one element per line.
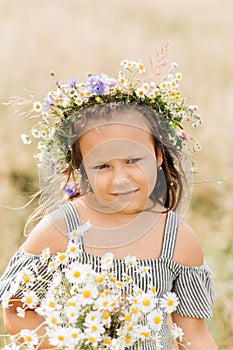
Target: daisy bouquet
<point x="89" y="310"/>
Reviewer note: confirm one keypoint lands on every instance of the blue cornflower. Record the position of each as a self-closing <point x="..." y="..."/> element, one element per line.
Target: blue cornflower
<point x="95" y="85"/>
<point x="72" y="82"/>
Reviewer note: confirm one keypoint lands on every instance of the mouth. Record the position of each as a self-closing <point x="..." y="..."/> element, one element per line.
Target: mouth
<point x="125" y="194"/>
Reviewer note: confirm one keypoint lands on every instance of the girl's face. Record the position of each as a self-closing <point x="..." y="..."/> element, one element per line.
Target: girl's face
<point x="121" y="166"/>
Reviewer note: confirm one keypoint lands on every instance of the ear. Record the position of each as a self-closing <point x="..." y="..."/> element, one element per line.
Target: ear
<point x="159" y="156"/>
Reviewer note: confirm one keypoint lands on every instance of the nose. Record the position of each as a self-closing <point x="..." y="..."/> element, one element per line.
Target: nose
<point x="120" y="178"/>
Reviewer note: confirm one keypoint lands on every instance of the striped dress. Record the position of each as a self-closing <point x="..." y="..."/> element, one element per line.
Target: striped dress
<point x="193" y="285"/>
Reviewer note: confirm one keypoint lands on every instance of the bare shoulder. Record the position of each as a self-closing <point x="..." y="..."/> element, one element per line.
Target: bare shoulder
<point x="49" y="232"/>
<point x="188" y="249"/>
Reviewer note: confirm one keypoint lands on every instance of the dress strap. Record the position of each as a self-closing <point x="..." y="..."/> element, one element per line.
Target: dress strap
<point x="170" y="234"/>
<point x="71" y="216"/>
<point x="72" y="219"/>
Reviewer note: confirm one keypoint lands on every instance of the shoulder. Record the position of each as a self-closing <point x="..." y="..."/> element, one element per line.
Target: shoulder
<point x="49" y="232"/>
<point x="188" y="249"/>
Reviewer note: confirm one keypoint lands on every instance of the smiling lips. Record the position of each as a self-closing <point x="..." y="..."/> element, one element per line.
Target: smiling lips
<point x="125" y="194"/>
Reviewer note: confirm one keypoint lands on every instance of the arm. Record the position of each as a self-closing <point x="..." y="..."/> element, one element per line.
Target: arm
<point x="188" y="252"/>
<point x="48" y="233"/>
<point x="195" y="332"/>
<point x="31" y="320"/>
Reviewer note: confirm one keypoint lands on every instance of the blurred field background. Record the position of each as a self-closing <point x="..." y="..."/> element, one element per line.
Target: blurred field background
<point x="74" y="37"/>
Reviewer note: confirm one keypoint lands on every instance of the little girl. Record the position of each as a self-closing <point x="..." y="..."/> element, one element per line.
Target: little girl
<point x="119" y="153"/>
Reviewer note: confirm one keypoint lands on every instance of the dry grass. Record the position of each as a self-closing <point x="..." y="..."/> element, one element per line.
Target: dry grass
<point x="74" y="36"/>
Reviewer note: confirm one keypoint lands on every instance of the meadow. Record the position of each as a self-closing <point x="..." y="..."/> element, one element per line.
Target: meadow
<point x="75" y="37"/>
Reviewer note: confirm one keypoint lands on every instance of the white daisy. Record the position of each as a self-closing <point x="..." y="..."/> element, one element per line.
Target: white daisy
<point x="73" y="249"/>
<point x="37" y="106"/>
<point x="71" y="314"/>
<point x="30" y="299"/>
<point x="58" y="336"/>
<point x="145" y="302"/>
<point x="131" y="261"/>
<point x="140" y="67"/>
<point x="107" y="261"/>
<point x="141" y="92"/>
<point x="155" y="320"/>
<point x="26" y="139"/>
<point x="169" y="302"/>
<point x="46" y="253"/>
<point x="30" y="338"/>
<point x="53" y="319"/>
<point x="20" y="312"/>
<point x="50" y="304"/>
<point x="25" y="276"/>
<point x="61" y="258"/>
<point x="75" y="336"/>
<point x="177" y="332"/>
<point x="94" y="329"/>
<point x="77" y="273"/>
<point x="145" y="332"/>
<point x="88" y="294"/>
<point x="106" y="302"/>
<point x="179" y="76"/>
<point x="93" y="339"/>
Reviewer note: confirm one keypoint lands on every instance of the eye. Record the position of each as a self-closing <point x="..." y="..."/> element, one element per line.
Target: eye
<point x="101" y="166"/>
<point x="133" y="160"/>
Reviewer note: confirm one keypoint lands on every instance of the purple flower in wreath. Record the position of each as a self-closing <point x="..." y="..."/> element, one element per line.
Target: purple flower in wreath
<point x="72" y="82"/>
<point x="48" y="102"/>
<point x="69" y="191"/>
<point x="95" y="85"/>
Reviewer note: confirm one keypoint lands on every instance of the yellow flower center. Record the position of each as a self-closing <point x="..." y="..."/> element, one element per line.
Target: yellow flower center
<point x="28" y="338"/>
<point x="146" y="334"/>
<point x="146" y="302"/>
<point x="28" y="299"/>
<point x="51" y="263"/>
<point x="170" y="302"/>
<point x="127" y="339"/>
<point x="113" y="279"/>
<point x="153" y="289"/>
<point x="106" y="315"/>
<point x="127" y="318"/>
<point x="92" y="339"/>
<point x="77" y="274"/>
<point x="71" y="303"/>
<point x="94" y="328"/>
<point x="99" y="279"/>
<point x="134" y="310"/>
<point x="86" y="293"/>
<point x="26" y="279"/>
<point x="53" y="320"/>
<point x="62" y="256"/>
<point x="119" y="283"/>
<point x="157" y="319"/>
<point x="51" y="304"/>
<point x="60" y="337"/>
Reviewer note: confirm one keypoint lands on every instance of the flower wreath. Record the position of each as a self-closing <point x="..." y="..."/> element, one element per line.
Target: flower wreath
<point x="68" y="101"/>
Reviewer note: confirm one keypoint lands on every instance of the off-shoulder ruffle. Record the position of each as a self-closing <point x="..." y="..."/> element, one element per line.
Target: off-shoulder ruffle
<point x="194" y="286"/>
<point x="24" y="260"/>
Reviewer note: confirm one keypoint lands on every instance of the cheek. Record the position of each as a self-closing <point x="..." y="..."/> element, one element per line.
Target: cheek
<point x="98" y="180"/>
<point x="148" y="171"/>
